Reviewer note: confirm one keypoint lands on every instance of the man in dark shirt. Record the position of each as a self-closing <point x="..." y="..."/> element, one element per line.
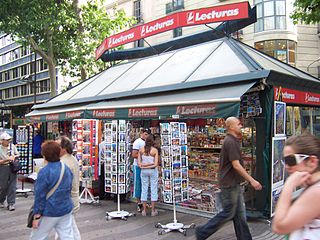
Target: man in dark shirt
<point x="231" y="174"/>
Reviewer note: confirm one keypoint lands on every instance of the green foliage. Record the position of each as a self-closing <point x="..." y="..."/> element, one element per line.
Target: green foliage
<point x="306" y="11"/>
<point x="62" y="32"/>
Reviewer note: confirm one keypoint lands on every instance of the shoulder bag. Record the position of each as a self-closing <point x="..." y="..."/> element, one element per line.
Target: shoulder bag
<point x="15" y="165"/>
<point x="49" y="194"/>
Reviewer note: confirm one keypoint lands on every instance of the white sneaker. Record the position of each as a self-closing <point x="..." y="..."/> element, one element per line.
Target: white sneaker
<point x="11" y="208"/>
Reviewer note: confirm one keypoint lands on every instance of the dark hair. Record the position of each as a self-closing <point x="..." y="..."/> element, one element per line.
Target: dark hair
<point x="51" y="151"/>
<point x="148" y="145"/>
<point x="146" y="130"/>
<point x="305" y="144"/>
<point x="66" y="144"/>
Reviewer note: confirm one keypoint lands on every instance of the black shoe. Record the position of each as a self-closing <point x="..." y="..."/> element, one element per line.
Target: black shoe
<point x="139" y="207"/>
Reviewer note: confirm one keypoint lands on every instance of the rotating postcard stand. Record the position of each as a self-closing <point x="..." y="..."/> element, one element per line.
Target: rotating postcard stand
<point x="84" y="132"/>
<point x="117" y="153"/>
<point x="175" y="171"/>
<point x="86" y="196"/>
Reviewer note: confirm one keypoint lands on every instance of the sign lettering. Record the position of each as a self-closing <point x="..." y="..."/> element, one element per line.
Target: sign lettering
<point x="206" y="109"/>
<point x="295" y="96"/>
<point x="143" y="112"/>
<point x="104" y="113"/>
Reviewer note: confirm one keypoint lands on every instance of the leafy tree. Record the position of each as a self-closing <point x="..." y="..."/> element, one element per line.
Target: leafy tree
<point x="307" y="11"/>
<point x="61" y="31"/>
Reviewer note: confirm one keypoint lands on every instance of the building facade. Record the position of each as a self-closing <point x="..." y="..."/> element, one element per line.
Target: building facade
<point x="274" y="32"/>
<point x="24" y="80"/>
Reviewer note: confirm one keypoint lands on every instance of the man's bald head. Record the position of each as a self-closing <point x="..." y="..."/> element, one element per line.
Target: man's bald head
<point x="231" y="121"/>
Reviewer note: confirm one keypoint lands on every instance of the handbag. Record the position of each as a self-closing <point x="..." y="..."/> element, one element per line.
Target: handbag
<point x="49" y="194"/>
<point x="15" y="165"/>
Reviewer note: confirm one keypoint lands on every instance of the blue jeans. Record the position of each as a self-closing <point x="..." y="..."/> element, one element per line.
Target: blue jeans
<point x="149" y="176"/>
<point x="136" y="181"/>
<point x="233" y="208"/>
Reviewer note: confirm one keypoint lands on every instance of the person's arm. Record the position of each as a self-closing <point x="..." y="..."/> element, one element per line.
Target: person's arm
<point x="238" y="167"/>
<point x="139" y="161"/>
<point x="41" y="190"/>
<point x="15" y="151"/>
<point x="292" y="216"/>
<point x="135" y="153"/>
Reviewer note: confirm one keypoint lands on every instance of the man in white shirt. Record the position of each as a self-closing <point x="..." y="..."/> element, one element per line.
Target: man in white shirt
<point x="138" y="143"/>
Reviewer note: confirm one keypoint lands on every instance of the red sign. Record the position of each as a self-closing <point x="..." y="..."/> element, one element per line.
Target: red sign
<point x="181" y="19"/>
<point x="295" y="96"/>
<point x="73" y="114"/>
<point x="52" y="117"/>
<point x="143" y="112"/>
<point x="108" y="113"/>
<point x="190" y="110"/>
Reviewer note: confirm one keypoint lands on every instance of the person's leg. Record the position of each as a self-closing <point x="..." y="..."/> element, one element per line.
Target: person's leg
<point x="137" y="185"/>
<point x="229" y="202"/>
<point x="4" y="176"/>
<point x="46" y="224"/>
<point x="76" y="232"/>
<point x="144" y="189"/>
<point x="12" y="187"/>
<point x="240" y="224"/>
<point x="154" y="189"/>
<point x="64" y="227"/>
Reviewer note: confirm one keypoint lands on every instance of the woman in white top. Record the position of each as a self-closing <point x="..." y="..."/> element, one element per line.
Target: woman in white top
<point x="300" y="218"/>
<point x="148" y="162"/>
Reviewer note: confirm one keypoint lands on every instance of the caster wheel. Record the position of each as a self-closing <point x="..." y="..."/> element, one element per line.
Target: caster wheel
<point x="193" y="226"/>
<point x="185" y="233"/>
<point x="134" y="214"/>
<point x="157" y="225"/>
<point x="160" y="232"/>
<point x="26" y="195"/>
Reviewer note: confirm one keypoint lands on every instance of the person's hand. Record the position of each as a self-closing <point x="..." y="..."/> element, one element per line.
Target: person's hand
<point x="256" y="185"/>
<point x="11" y="158"/>
<point x="298" y="179"/>
<point x="35" y="223"/>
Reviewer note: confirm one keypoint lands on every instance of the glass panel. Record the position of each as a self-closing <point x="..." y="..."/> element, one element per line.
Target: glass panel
<point x="269" y="8"/>
<point x="222" y="62"/>
<point x="269" y="45"/>
<point x="281" y="55"/>
<point x="259" y="11"/>
<point x="103" y="81"/>
<point x="291" y="45"/>
<point x="259" y="46"/>
<point x="172" y="71"/>
<point x="280" y="8"/>
<point x="305" y="119"/>
<point x="289" y="121"/>
<point x="316" y="121"/>
<point x="259" y="25"/>
<point x="269" y="23"/>
<point x="281" y="22"/>
<point x="257" y="1"/>
<point x="292" y="57"/>
<point x="136" y="75"/>
<point x="281" y="44"/>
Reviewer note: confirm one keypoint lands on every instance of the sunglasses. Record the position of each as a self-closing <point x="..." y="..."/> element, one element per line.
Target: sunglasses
<point x="295" y="159"/>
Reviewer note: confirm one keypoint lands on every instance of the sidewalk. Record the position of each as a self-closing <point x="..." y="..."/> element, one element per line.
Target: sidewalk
<point x="92" y="224"/>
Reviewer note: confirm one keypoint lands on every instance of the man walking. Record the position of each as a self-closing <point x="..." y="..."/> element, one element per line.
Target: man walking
<point x="231" y="174"/>
<point x="137" y="144"/>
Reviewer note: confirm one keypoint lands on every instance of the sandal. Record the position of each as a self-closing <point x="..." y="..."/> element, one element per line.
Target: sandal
<point x="154" y="213"/>
<point x="143" y="213"/>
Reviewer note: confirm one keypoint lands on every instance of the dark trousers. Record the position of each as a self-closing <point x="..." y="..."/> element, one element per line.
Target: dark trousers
<point x="8" y="183"/>
<point x="233" y="208"/>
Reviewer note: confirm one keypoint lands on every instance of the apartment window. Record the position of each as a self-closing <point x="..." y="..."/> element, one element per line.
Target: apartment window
<point x="7" y="93"/>
<point x="139" y="43"/>
<point x="42" y="65"/>
<point x="24" y="69"/>
<point x="44" y="85"/>
<point x="6" y="75"/>
<point x="24" y="90"/>
<point x="15" y="73"/>
<point x="177" y="32"/>
<point x="137" y="10"/>
<point x="270" y="15"/>
<point x="15" y="91"/>
<point x="283" y="50"/>
<point x="174" y="5"/>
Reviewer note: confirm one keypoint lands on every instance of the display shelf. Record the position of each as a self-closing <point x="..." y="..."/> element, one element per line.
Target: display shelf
<point x="23" y="138"/>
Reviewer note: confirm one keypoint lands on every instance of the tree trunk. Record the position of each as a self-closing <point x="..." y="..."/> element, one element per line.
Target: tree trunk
<point x="53" y="78"/>
<point x="83" y="74"/>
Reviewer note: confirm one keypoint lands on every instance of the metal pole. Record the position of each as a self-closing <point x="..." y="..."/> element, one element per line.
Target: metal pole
<point x="35" y="80"/>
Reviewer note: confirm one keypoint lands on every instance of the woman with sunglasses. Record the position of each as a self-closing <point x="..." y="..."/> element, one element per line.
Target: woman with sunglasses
<point x="300" y="218"/>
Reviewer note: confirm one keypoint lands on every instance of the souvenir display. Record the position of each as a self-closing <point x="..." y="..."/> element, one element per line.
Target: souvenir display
<point x="23" y="139"/>
<point x="85" y="144"/>
<point x="174" y="154"/>
<point x="250" y="105"/>
<point x="117" y="152"/>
